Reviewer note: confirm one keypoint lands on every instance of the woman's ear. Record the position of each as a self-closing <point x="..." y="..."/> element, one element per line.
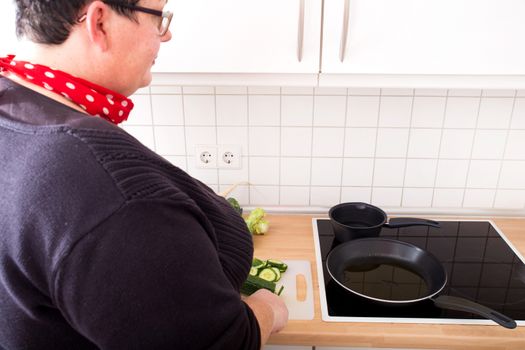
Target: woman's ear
<point x="97" y="17"/>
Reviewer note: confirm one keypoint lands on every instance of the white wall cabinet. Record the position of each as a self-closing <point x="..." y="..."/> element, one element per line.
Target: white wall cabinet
<point x="387" y="43"/>
<point x="380" y="43"/>
<point x="8" y="43"/>
<point x="271" y="42"/>
<point x="425" y="37"/>
<point x="432" y="39"/>
<point x="243" y="37"/>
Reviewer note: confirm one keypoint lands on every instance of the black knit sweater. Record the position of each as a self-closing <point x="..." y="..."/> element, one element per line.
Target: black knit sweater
<point x="105" y="245"/>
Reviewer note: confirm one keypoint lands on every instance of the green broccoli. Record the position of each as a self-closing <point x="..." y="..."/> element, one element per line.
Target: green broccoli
<point x="235" y="205"/>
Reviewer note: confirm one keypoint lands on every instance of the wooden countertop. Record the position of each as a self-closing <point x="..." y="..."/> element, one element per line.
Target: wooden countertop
<point x="291" y="237"/>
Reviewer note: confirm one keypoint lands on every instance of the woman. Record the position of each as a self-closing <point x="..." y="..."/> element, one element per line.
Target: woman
<point x="103" y="244"/>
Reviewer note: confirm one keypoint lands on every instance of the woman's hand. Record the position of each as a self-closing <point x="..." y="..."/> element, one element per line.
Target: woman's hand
<point x="270" y="310"/>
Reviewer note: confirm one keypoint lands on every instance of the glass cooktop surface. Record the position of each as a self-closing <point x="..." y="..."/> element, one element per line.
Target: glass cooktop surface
<point x="481" y="266"/>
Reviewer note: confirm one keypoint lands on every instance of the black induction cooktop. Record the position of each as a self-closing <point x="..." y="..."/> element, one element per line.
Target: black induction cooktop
<point x="481" y="266"/>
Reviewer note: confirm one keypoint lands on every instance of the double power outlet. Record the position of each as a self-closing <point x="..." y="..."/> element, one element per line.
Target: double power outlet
<point x="218" y="156"/>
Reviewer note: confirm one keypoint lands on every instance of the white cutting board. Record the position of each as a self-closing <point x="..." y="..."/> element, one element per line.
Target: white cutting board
<point x="300" y="302"/>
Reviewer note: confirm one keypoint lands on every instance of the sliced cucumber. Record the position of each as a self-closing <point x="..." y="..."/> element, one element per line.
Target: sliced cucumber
<point x="258" y="263"/>
<point x="277" y="273"/>
<point x="283" y="268"/>
<point x="268" y="274"/>
<point x="254" y="283"/>
<point x="277" y="263"/>
<point x="264" y="274"/>
<point x="280" y="290"/>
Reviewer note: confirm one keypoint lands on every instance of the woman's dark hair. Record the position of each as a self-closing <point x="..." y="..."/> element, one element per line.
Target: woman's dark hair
<point x="50" y="21"/>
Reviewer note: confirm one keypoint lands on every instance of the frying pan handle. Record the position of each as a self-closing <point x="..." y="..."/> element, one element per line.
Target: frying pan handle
<point x="403" y="222"/>
<point x="454" y="303"/>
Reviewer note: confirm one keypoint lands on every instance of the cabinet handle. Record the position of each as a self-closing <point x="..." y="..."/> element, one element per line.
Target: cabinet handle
<point x="300" y="32"/>
<point x="344" y="33"/>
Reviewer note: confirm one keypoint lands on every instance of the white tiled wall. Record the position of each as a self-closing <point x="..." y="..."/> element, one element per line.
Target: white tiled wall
<point x="315" y="147"/>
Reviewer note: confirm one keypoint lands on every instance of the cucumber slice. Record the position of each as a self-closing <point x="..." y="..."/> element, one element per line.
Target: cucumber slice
<point x="277" y="273"/>
<point x="277" y="263"/>
<point x="268" y="274"/>
<point x="280" y="290"/>
<point x="258" y="263"/>
<point x="264" y="274"/>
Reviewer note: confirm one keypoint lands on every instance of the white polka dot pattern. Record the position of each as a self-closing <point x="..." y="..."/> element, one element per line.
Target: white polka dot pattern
<point x="95" y="100"/>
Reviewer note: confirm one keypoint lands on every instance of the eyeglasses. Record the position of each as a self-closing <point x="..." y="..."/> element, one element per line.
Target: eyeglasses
<point x="166" y="16"/>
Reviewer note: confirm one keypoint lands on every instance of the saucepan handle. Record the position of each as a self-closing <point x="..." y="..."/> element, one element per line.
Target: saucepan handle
<point x="460" y="304"/>
<point x="403" y="222"/>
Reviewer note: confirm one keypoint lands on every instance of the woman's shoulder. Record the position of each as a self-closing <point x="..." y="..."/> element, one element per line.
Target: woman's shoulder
<point x="136" y="169"/>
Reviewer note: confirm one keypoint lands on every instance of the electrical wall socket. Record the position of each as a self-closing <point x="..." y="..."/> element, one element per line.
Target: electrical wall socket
<point x="206" y="156"/>
<point x="218" y="156"/>
<point x="229" y="156"/>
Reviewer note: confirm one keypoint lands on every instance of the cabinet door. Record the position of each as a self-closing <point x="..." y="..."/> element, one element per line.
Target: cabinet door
<point x="8" y="44"/>
<point x="424" y="37"/>
<point x="243" y="36"/>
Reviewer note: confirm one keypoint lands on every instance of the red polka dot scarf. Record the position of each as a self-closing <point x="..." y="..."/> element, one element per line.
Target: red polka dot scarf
<point x="94" y="99"/>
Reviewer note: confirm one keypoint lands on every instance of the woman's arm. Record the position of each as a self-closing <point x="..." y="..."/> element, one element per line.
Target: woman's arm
<point x="149" y="277"/>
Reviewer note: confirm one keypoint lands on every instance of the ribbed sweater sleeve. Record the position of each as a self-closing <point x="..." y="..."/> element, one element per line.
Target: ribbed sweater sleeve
<point x="146" y="278"/>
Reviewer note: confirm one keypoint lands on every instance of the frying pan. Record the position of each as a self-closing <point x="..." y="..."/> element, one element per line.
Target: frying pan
<point x="368" y="253"/>
<point x="354" y="220"/>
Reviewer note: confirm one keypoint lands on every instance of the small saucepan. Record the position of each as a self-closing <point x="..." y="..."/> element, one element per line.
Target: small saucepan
<point x="347" y="262"/>
<point x="361" y="220"/>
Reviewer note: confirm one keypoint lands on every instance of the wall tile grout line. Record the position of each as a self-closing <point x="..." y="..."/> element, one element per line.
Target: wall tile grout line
<point x="184" y="131"/>
<point x="471" y="151"/>
<point x="365" y="157"/>
<point x="280" y="136"/>
<point x="331" y="127"/>
<point x="432" y="202"/>
<point x="279" y="180"/>
<point x="502" y="160"/>
<point x="248" y="157"/>
<point x="408" y="148"/>
<point x="311" y="154"/>
<point x="151" y="111"/>
<point x="307" y="94"/>
<point x="216" y="135"/>
<point x="375" y="147"/>
<point x="385" y="186"/>
<point x="344" y="143"/>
